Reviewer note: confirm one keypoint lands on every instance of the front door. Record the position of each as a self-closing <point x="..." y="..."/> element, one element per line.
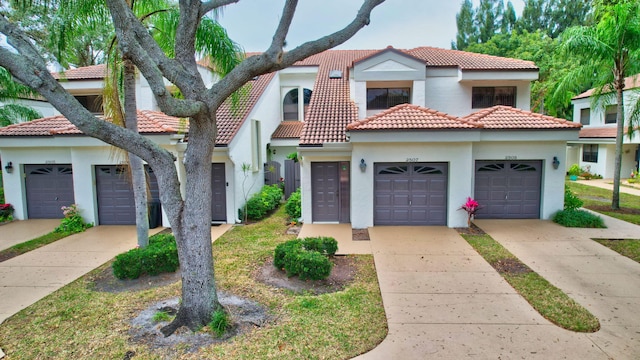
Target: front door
<point x="330" y="191"/>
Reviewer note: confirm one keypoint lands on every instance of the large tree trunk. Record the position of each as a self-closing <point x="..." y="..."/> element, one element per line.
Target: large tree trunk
<point x="619" y="86"/>
<point x="193" y="234"/>
<point x="138" y="178"/>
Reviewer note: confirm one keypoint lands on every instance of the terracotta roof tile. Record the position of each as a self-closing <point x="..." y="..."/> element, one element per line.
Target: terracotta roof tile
<point x="468" y="61"/>
<point x="601" y="132"/>
<point x="630" y="82"/>
<point x="93" y="72"/>
<point x="505" y="117"/>
<point x="149" y="122"/>
<point x="410" y="117"/>
<point x="230" y="119"/>
<point x="288" y="130"/>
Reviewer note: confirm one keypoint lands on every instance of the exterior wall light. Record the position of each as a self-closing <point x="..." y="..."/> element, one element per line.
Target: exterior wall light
<point x="555" y="163"/>
<point x="363" y="165"/>
<point x="9" y="167"/>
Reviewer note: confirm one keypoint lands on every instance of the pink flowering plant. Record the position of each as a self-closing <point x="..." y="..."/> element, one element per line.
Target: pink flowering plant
<point x="471" y="206"/>
<point x="72" y="221"/>
<point x="6" y="212"/>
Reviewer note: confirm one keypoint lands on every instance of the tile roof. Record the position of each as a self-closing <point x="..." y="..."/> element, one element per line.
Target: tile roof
<point x="410" y="117"/>
<point x="630" y="82"/>
<point x="149" y="122"/>
<point x="602" y="132"/>
<point x="288" y="130"/>
<point x="93" y="72"/>
<point x="230" y="118"/>
<point x="437" y="57"/>
<point x="504" y="117"/>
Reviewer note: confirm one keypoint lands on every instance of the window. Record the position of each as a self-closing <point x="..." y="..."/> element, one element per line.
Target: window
<point x="585" y="116"/>
<point x="385" y="98"/>
<point x="590" y="152"/>
<point x="92" y="103"/>
<point x="290" y="104"/>
<point x="484" y="97"/>
<point x="610" y="114"/>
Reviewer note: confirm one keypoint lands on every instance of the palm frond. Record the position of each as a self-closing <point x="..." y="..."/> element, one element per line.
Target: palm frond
<point x="15" y="113"/>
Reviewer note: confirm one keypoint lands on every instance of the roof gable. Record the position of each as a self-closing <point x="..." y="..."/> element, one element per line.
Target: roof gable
<point x="410" y="117"/>
<point x="631" y="82"/>
<point x="507" y="118"/>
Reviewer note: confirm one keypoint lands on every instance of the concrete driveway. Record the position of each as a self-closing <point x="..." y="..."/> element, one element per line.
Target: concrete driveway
<point x="17" y="232"/>
<point x="444" y="301"/>
<point x="601" y="280"/>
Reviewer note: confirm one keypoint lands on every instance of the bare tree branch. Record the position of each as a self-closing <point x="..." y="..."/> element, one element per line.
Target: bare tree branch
<point x="136" y="43"/>
<point x="207" y="6"/>
<point x="266" y="63"/>
<point x="277" y="44"/>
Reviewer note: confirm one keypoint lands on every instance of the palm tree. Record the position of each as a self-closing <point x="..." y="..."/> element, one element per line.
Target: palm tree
<point x="608" y="52"/>
<point x="11" y="113"/>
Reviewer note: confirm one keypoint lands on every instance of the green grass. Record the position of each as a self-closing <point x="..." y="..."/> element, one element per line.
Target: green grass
<point x="598" y="199"/>
<point x="33" y="244"/>
<point x="627" y="247"/>
<point x="548" y="300"/>
<point x="77" y="322"/>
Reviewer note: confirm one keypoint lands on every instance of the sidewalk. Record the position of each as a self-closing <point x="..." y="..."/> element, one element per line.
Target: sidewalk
<point x="608" y="184"/>
<point x="17" y="232"/>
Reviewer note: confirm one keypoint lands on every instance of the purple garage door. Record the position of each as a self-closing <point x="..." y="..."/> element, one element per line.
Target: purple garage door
<point x="49" y="188"/>
<point x="219" y="193"/>
<point x="508" y="189"/>
<point x="115" y="194"/>
<point x="410" y="194"/>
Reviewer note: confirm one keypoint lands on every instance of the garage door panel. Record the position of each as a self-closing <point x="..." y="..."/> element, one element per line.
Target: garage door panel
<point x="416" y="194"/>
<point x="513" y="188"/>
<point x="48" y="188"/>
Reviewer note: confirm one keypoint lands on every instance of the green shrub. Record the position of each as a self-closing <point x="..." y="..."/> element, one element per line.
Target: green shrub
<point x="259" y="205"/>
<point x="324" y="245"/>
<point x="578" y="218"/>
<point x="283" y="249"/>
<point x="308" y="265"/>
<point x="219" y="322"/>
<point x="1" y="195"/>
<point x="571" y="201"/>
<point x="72" y="222"/>
<point x="159" y="257"/>
<point x="575" y="170"/>
<point x="294" y="205"/>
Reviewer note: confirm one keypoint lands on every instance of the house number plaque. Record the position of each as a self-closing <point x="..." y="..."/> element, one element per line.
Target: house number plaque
<point x="511" y="157"/>
<point x="410" y="160"/>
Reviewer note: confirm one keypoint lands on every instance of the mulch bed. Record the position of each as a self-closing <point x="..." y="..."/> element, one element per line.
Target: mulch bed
<point x="105" y="281"/>
<point x="343" y="272"/>
<point x="360" y="234"/>
<point x="607" y="208"/>
<point x="472" y="230"/>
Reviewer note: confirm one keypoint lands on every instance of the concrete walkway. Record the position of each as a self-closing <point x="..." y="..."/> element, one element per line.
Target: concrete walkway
<point x="17" y="232"/>
<point x="28" y="278"/>
<point x="601" y="280"/>
<point x="633" y="189"/>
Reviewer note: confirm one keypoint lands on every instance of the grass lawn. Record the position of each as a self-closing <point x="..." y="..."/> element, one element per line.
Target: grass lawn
<point x="598" y="199"/>
<point x="548" y="300"/>
<point x="627" y="247"/>
<point x="33" y="244"/>
<point x="77" y="322"/>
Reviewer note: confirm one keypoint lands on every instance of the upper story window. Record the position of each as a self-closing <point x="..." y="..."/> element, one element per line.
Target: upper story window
<point x="92" y="103"/>
<point x="610" y="114"/>
<point x="484" y="97"/>
<point x="385" y="98"/>
<point x="291" y="104"/>
<point x="585" y="116"/>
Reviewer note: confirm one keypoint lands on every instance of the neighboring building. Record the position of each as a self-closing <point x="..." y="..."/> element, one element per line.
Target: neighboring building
<point x="596" y="146"/>
<point x="386" y="137"/>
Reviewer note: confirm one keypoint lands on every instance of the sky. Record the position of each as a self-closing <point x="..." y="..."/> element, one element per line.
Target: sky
<point x="402" y="24"/>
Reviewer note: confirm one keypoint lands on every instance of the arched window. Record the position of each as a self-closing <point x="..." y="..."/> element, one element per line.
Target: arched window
<point x="290" y="104"/>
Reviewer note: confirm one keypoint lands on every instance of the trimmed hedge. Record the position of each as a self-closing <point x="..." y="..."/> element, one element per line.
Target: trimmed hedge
<point x="306" y="258"/>
<point x="259" y="205"/>
<point x="294" y="205"/>
<point x="579" y="219"/>
<point x="159" y="257"/>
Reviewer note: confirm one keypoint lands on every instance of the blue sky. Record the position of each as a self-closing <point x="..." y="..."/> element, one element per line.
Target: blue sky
<point x="400" y="23"/>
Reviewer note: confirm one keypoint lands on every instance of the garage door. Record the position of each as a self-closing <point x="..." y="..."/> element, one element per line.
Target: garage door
<point x="49" y="187"/>
<point x="410" y="194"/>
<point x="115" y="194"/>
<point x="508" y="189"/>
